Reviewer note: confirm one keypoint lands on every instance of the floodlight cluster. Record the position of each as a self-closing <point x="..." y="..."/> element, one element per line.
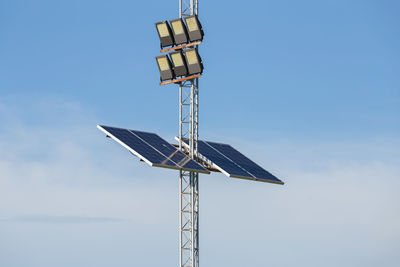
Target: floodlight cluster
<point x="179" y="63"/>
<point x="178" y="32"/>
<point x="182" y="36"/>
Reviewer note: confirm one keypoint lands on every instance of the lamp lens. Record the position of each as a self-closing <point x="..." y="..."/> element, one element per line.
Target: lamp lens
<point x="177" y="59"/>
<point x="192" y="24"/>
<point x="177" y="26"/>
<point x="163" y="63"/>
<point x="191" y="57"/>
<point x="162" y="29"/>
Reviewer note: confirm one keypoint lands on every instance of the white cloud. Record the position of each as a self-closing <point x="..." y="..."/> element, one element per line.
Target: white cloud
<point x="339" y="205"/>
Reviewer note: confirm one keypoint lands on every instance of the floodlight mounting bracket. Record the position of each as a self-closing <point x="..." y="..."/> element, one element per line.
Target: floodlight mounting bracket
<point x="179" y="47"/>
<point x="181" y="79"/>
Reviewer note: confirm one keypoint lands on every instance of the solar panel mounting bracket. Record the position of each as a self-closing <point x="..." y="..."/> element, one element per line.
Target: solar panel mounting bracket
<point x="206" y="163"/>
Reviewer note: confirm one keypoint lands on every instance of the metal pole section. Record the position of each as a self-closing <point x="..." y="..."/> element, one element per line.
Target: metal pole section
<point x="189" y="181"/>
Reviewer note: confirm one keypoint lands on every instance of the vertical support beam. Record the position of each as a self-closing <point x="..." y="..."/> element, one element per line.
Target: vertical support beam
<point x="189" y="181"/>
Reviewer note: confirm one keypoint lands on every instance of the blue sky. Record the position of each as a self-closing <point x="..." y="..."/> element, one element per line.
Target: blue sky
<point x="308" y="89"/>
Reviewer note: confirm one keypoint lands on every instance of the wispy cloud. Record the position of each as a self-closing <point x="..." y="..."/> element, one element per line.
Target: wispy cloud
<point x="61" y="219"/>
<point x="335" y="195"/>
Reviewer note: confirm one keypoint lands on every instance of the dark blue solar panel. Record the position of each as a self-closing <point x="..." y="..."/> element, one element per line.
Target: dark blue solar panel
<point x="243" y="162"/>
<point x="234" y="163"/>
<point x="220" y="160"/>
<point x="138" y="145"/>
<point x="154" y="149"/>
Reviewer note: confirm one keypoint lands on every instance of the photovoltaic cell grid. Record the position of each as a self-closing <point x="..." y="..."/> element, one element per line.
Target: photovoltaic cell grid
<point x="152" y="149"/>
<point x="233" y="163"/>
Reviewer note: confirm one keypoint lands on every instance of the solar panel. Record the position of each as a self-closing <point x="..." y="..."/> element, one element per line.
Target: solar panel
<point x="152" y="149"/>
<point x="233" y="163"/>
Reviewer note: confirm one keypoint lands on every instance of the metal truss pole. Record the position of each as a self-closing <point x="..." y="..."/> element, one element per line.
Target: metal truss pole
<point x="189" y="181"/>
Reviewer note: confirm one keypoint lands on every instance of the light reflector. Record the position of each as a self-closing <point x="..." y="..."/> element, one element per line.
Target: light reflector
<point x="178" y="63"/>
<point x="165" y="34"/>
<point x="193" y="61"/>
<point x="165" y="68"/>
<point x="179" y="31"/>
<point x="194" y="28"/>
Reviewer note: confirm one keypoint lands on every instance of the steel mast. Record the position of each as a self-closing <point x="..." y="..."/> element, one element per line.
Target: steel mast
<point x="155" y="151"/>
<point x="189" y="181"/>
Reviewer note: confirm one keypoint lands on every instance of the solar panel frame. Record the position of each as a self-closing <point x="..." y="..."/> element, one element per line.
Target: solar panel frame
<point x="256" y="171"/>
<point x="212" y="159"/>
<point x="185" y="163"/>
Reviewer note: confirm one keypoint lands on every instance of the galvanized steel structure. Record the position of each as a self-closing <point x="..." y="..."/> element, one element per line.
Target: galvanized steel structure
<point x="189" y="181"/>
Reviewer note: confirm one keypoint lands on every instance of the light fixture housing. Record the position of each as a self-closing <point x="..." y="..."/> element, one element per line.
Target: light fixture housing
<point x="165" y="68"/>
<point x="193" y="61"/>
<point x="178" y="63"/>
<point x="194" y="29"/>
<point x="179" y="31"/>
<point x="165" y="34"/>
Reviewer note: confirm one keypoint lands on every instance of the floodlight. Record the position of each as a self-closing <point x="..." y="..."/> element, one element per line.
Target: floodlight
<point x="178" y="63"/>
<point x="179" y="31"/>
<point x="193" y="61"/>
<point x="165" y="68"/>
<point x="194" y="29"/>
<point x="165" y="34"/>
